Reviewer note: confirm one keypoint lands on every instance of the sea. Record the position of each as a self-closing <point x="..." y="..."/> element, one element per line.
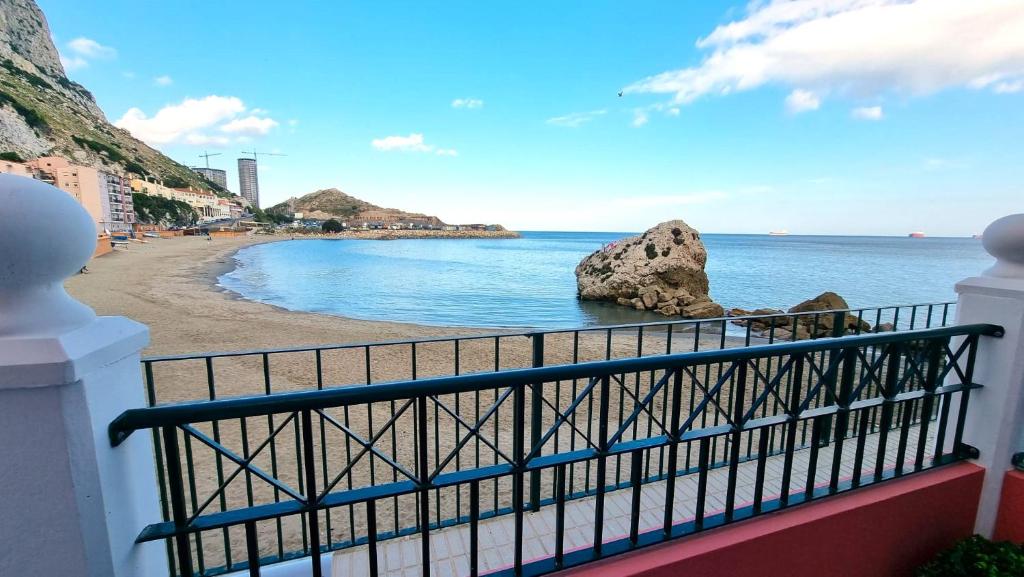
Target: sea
<point x="529" y="282"/>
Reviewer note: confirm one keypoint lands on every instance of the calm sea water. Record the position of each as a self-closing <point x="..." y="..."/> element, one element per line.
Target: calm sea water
<point x="529" y="282"/>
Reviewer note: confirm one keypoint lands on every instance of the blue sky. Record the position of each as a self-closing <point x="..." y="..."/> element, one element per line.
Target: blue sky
<point x="820" y="117"/>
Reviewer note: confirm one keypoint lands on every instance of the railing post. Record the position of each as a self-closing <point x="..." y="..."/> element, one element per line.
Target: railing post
<point x="65" y="374"/>
<point x="536" y="406"/>
<point x="838" y="330"/>
<point x="994" y="418"/>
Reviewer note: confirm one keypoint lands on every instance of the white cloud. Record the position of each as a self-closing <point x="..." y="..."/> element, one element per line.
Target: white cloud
<point x="192" y="120"/>
<point x="857" y="48"/>
<point x="412" y="143"/>
<point x="1009" y="87"/>
<point x="197" y="139"/>
<point x="640" y="118"/>
<point x="251" y="125"/>
<point x="71" y="63"/>
<point x="89" y="48"/>
<point x="576" y="119"/>
<point x="81" y="50"/>
<point x="467" y="103"/>
<point x="164" y="80"/>
<point x="868" y="113"/>
<point x="293" y="122"/>
<point x="801" y="101"/>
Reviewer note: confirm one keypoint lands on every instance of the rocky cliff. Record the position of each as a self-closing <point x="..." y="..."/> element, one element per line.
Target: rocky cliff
<point x="661" y="270"/>
<point x="42" y="112"/>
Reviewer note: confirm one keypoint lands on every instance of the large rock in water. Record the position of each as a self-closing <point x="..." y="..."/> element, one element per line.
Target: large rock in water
<point x="661" y="270"/>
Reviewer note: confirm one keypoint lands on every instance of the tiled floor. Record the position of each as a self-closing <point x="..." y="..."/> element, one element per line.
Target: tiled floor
<point x="450" y="546"/>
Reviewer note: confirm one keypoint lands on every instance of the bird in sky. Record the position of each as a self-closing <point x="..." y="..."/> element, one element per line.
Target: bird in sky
<point x="620" y="94"/>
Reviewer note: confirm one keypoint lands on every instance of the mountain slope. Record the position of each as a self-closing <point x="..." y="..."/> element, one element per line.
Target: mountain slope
<point x="333" y="203"/>
<point x="42" y="112"/>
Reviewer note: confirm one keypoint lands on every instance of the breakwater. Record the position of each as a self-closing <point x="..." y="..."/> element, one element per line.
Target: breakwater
<point x="411" y="234"/>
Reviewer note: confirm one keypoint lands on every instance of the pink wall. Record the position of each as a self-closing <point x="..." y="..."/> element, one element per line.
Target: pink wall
<point x="886" y="530"/>
<point x="1010" y="523"/>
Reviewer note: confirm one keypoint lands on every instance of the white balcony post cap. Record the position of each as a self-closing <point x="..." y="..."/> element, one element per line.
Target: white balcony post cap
<point x="1004" y="239"/>
<point x="45" y="237"/>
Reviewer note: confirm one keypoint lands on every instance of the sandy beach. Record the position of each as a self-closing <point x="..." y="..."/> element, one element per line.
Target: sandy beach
<point x="170" y="285"/>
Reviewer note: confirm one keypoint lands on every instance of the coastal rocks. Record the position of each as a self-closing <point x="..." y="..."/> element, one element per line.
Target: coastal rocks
<point x="661" y="270"/>
<point x="812" y="318"/>
<point x="703" y="308"/>
<point x="829" y="301"/>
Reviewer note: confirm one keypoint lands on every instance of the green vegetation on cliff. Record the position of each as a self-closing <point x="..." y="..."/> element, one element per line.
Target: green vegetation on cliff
<point x="163" y="211"/>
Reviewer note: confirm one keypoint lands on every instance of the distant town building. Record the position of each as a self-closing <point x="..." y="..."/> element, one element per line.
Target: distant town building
<point x="81" y="182"/>
<point x="116" y="202"/>
<point x="16" y="168"/>
<point x="248" y="184"/>
<point x="214" y="175"/>
<point x="105" y="196"/>
<point x="207" y="205"/>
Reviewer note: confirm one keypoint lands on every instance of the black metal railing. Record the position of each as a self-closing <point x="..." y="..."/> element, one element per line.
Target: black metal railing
<point x="210" y="375"/>
<point x="302" y="473"/>
<point x="271" y="371"/>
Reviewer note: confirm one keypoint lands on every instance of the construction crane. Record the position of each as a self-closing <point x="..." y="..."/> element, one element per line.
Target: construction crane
<point x="255" y="154"/>
<point x="206" y="155"/>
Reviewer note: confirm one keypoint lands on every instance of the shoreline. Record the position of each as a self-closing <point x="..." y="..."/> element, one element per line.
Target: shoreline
<point x="171" y="286"/>
<point x="388" y="234"/>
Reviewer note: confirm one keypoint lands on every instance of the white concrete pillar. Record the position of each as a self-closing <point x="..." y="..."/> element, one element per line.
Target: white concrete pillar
<point x="70" y="505"/>
<point x="995" y="416"/>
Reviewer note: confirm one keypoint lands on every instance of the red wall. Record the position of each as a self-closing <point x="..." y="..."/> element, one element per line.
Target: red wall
<point x="1010" y="523"/>
<point x="886" y="530"/>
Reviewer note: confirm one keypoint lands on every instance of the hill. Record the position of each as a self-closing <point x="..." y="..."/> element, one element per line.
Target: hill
<point x="42" y="112"/>
<point x="333" y="203"/>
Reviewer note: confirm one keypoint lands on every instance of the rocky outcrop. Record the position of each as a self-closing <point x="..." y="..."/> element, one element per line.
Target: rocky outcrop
<point x="661" y="270"/>
<point x="332" y="203"/>
<point x="802" y="322"/>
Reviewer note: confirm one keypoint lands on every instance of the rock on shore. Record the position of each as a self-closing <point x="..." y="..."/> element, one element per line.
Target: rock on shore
<point x="808" y="324"/>
<point x="661" y="270"/>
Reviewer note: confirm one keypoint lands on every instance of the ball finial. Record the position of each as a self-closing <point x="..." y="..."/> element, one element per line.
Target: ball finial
<point x="1004" y="239"/>
<point x="45" y="237"/>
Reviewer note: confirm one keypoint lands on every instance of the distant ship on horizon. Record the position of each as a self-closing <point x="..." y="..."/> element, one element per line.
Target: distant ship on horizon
<point x="782" y="232"/>
<point x="916" y="234"/>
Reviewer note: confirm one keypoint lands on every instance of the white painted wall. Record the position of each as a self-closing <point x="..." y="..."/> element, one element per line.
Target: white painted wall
<point x="995" y="415"/>
<point x="70" y="505"/>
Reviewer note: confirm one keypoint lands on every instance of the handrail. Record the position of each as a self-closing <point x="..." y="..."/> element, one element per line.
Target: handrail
<point x="205" y="411"/>
<point x="513" y="333"/>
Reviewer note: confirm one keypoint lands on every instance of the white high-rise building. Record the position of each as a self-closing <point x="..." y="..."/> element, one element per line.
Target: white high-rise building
<point x="214" y="175"/>
<point x="248" y="184"/>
